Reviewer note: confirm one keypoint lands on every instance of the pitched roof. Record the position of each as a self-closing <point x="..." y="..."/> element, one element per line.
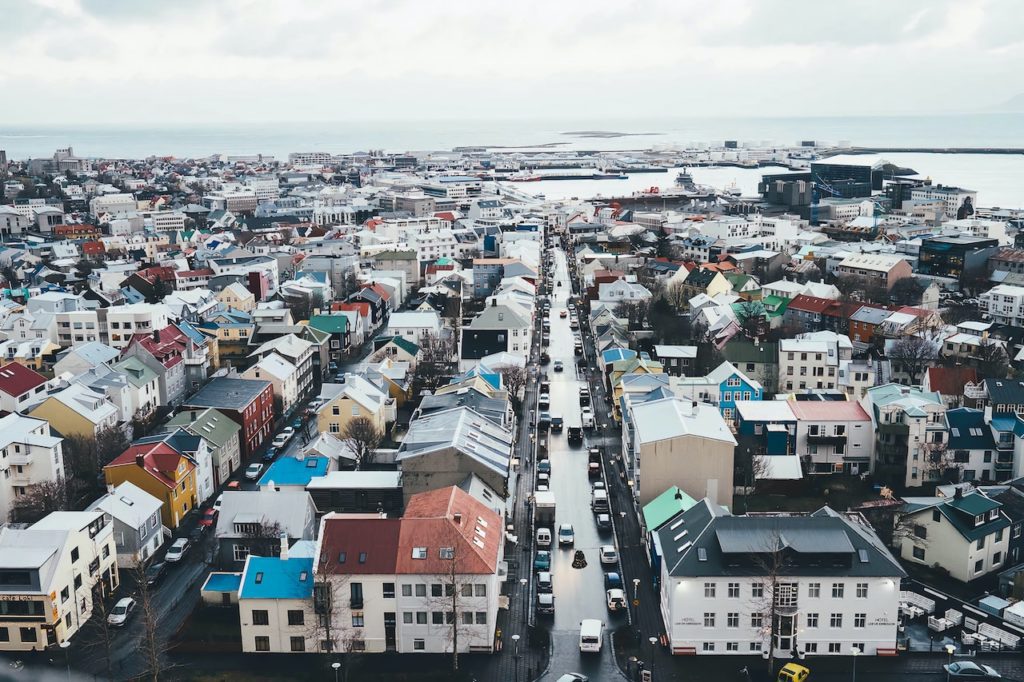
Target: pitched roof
<point x="449" y="517"/>
<point x="159" y="460"/>
<point x="665" y="506"/>
<point x="968" y="430"/>
<point x="16" y="379"/>
<point x="951" y="380"/>
<point x="358" y="545"/>
<point x="674" y="417"/>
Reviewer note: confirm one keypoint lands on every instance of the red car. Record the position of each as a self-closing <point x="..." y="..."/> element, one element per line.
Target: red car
<point x="209" y="517"/>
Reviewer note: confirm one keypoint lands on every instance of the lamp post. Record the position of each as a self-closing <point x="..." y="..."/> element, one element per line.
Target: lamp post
<point x="653" y="641"/>
<point x="526" y="604"/>
<point x="335" y="665"/>
<point x="515" y="645"/>
<point x="855" y="650"/>
<point x="65" y="645"/>
<point x="949" y="650"/>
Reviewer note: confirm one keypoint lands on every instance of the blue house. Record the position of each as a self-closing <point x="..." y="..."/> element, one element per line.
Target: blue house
<point x="724" y="386"/>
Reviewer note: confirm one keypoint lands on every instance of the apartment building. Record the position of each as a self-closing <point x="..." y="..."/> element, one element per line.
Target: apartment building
<point x="881" y="268"/>
<point x="124" y="321"/>
<point x="833" y="437"/>
<point x="808" y="364"/>
<point x="1004" y="304"/>
<point x="911" y="432"/>
<point x="29" y="455"/>
<point x="840" y="589"/>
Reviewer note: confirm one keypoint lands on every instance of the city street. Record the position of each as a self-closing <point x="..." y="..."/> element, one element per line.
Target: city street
<point x="579" y="593"/>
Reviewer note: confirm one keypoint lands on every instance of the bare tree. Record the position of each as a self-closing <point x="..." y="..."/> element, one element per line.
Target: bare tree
<point x="992" y="361"/>
<point x="514" y="379"/>
<point x="450" y="596"/>
<point x="677" y="295"/>
<point x="913" y="355"/>
<point x="362" y="437"/>
<point x="153" y="645"/>
<point x="774" y="601"/>
<point x="41" y="499"/>
<point x="634" y="312"/>
<point x="940" y="464"/>
<point x="436" y="363"/>
<point x="98" y="631"/>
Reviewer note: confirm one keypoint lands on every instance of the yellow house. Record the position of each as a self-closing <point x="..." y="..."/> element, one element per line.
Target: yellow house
<point x="77" y="411"/>
<point x="161" y="471"/>
<point x="356" y="397"/>
<point x="237" y="297"/>
<point x="621" y="368"/>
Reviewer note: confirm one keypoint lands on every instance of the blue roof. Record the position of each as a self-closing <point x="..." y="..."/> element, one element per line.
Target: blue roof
<point x="222" y="582"/>
<point x="293" y="471"/>
<point x="191" y="332"/>
<point x="968" y="430"/>
<point x="276" y="578"/>
<point x="1004" y="424"/>
<point x="614" y="354"/>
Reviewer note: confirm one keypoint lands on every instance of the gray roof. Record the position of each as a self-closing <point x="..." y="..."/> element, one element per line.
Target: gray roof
<point x="228" y="393"/>
<point x="292" y="509"/>
<point x="493" y="409"/>
<point x="706" y="541"/>
<point x="464" y="430"/>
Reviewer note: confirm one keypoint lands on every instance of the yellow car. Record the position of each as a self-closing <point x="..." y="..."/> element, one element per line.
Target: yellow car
<point x="791" y="672"/>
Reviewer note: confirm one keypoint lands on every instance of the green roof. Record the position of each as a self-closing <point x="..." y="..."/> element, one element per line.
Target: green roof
<point x="775" y="305"/>
<point x="665" y="506"/>
<point x="745" y="351"/>
<point x="211" y="424"/>
<point x="135" y="370"/>
<point x="403" y="343"/>
<point x="332" y="324"/>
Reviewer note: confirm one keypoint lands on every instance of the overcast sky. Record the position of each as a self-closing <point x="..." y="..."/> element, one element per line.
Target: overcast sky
<point x="153" y="61"/>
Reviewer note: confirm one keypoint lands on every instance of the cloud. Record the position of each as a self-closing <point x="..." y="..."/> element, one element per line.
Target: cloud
<point x="85" y="61"/>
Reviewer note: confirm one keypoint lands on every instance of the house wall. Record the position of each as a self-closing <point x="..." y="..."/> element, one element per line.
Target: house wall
<point x="278" y="631"/>
<point x="702" y="467"/>
<point x="945" y="546"/>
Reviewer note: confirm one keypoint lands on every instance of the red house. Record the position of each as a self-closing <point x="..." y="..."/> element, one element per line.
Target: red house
<point x="250" y="402"/>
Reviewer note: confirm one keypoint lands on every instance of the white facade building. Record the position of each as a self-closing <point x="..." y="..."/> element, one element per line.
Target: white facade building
<point x="29" y="455"/>
<point x="1004" y="303"/>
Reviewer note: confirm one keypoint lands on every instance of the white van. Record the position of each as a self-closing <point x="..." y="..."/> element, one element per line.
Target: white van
<point x="543" y="537"/>
<point x="591" y="635"/>
<point x="599" y="501"/>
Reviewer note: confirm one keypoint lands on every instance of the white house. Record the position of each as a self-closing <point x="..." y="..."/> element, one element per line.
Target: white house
<point x="29" y="455"/>
<point x="719" y="596"/>
<point x="621" y="291"/>
<point x="138" y="529"/>
<point x="51" y="572"/>
<point x="275" y="602"/>
<point x="833" y="436"/>
<point x="1004" y="303"/>
<point x="279" y="372"/>
<point x="124" y="321"/>
<point x="808" y="364"/>
<point x="414" y="325"/>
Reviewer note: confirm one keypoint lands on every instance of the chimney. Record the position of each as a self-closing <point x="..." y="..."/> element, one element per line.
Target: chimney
<point x="156" y="335"/>
<point x="494" y="302"/>
<point x="958" y="492"/>
<point x="284" y="546"/>
<point x="140" y="460"/>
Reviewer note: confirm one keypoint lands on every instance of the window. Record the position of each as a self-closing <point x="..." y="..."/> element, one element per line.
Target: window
<point x="74" y="555"/>
<point x="979" y="565"/>
<point x="836" y="621"/>
<point x="732" y="646"/>
<point x="262" y="644"/>
<point x="407" y="617"/>
<point x="757" y="620"/>
<point x="296" y="617"/>
<point x="834" y="647"/>
<point x="709" y="620"/>
<point x="421" y="590"/>
<point x="860" y="620"/>
<point x="467" y="618"/>
<point x="732" y="620"/>
<point x="389" y="590"/>
<point x="920" y="531"/>
<point x="919" y="553"/>
<point x="5" y="635"/>
<point x="481" y="618"/>
<point x="837" y="590"/>
<point x="999" y="535"/>
<point x="260" y="617"/>
<point x="436" y="618"/>
<point x="814" y="590"/>
<point x="240" y="552"/>
<point x="418" y="645"/>
<point x="480" y="589"/>
<point x="812" y="620"/>
<point x="421" y="618"/>
<point x="406" y="590"/>
<point x="936" y="516"/>
<point x="298" y="643"/>
<point x="997" y="558"/>
<point x="709" y="646"/>
<point x="757" y="590"/>
<point x="65" y="594"/>
<point x="734" y="590"/>
<point x="709" y="590"/>
<point x="811" y="647"/>
<point x="862" y="590"/>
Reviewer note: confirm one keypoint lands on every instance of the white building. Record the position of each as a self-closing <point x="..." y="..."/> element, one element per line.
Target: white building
<point x="265" y="186"/>
<point x="138" y="529"/>
<point x="415" y="325"/>
<point x="1004" y="303"/>
<point x="952" y="198"/>
<point x="808" y="364"/>
<point x="279" y="372"/>
<point x="833" y="436"/>
<point x="124" y="321"/>
<point x="50" y="574"/>
<point x="840" y="589"/>
<point x="113" y="205"/>
<point x="29" y="455"/>
<point x="910" y="426"/>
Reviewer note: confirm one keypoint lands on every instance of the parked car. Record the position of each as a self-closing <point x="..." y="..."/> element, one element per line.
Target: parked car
<point x="122" y="610"/>
<point x="544" y="466"/>
<point x="616" y="600"/>
<point x="544" y="421"/>
<point x="793" y="672"/>
<point x="253" y="471"/>
<point x="218" y="502"/>
<point x="612" y="580"/>
<point x="584" y="397"/>
<point x="297" y="423"/>
<point x="558" y="366"/>
<point x="544" y="582"/>
<point x="270" y="454"/>
<point x="177" y="550"/>
<point x="545" y="604"/>
<point x="542" y="562"/>
<point x="544" y="401"/>
<point x="154" y="572"/>
<point x="609" y="557"/>
<point x="969" y="670"/>
<point x="545" y="358"/>
<point x="209" y="517"/>
<point x="604" y="522"/>
<point x="587" y="418"/>
<point x="282" y="438"/>
<point x="564" y="314"/>
<point x="543" y="537"/>
<point x="573" y="677"/>
<point x="543" y="479"/>
<point x="566" y="534"/>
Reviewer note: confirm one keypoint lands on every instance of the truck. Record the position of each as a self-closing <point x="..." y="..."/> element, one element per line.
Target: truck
<point x="544" y="509"/>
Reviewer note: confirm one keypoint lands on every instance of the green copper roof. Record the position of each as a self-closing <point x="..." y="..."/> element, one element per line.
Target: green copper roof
<point x="665" y="506"/>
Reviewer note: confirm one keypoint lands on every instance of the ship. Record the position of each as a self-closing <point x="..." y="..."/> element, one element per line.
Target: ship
<point x="524" y="176"/>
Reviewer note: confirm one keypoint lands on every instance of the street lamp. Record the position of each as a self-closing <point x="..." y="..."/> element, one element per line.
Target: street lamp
<point x="522" y="583"/>
<point x="65" y="645"/>
<point x="335" y="665"/>
<point x="855" y="650"/>
<point x="653" y="641"/>
<point x="949" y="650"/>
<point x="515" y="645"/>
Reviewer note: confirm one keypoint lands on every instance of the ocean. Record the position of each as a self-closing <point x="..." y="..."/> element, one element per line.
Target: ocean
<point x="997" y="178"/>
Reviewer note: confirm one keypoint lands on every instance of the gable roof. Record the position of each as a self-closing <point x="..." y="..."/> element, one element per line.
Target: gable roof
<point x="449" y="517"/>
<point x="159" y="460"/>
<point x="17" y="379"/>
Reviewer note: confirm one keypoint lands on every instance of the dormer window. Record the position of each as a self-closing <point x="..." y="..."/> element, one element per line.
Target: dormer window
<point x="993" y="515"/>
<point x="979" y="519"/>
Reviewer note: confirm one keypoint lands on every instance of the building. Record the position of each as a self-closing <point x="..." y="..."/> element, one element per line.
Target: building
<point x="29" y="455"/>
<point x="681" y="442"/>
<point x="300" y="354"/>
<point x="75" y="410"/>
<point x="833" y="437"/>
<point x="144" y="386"/>
<point x="52" y="572"/>
<point x="125" y="321"/>
<point x="676" y="361"/>
<point x="358" y="492"/>
<point x="20" y="387"/>
<point x="956" y="202"/>
<point x="875" y="268"/>
<point x="262" y="522"/>
<point x="958" y="257"/>
<point x="965" y="533"/>
<point x="161" y="471"/>
<point x="1004" y="304"/>
<point x="275" y="604"/>
<point x="138" y="530"/>
<point x="221" y="434"/>
<point x="721" y="596"/>
<point x="236" y="297"/>
<point x="282" y="374"/>
<point x="911" y="428"/>
<point x="808" y="364"/>
<point x="391" y="580"/>
<point x="249" y="402"/>
<point x="846" y="180"/>
<point x="353" y="396"/>
<point x="723" y="386"/>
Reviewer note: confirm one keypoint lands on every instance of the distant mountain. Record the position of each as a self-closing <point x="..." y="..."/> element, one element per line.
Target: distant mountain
<point x="1014" y="104"/>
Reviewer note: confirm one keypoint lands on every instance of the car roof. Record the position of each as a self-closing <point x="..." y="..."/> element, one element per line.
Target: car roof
<point x="179" y="541"/>
<point x="124" y="600"/>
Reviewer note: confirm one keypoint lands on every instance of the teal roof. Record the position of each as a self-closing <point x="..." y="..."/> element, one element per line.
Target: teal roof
<point x="295" y="471"/>
<point x="211" y="424"/>
<point x="276" y="578"/>
<point x="222" y="582"/>
<point x="403" y="343"/>
<point x="333" y="324"/>
<point x="665" y="506"/>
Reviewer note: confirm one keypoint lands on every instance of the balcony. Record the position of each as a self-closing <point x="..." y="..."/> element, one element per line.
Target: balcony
<point x="825" y="439"/>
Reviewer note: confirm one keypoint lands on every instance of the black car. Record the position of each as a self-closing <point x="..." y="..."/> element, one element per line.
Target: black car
<point x="575" y="435"/>
<point x="155" y="572"/>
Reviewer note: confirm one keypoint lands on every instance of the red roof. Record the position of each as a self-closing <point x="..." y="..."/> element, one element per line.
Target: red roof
<point x="160" y="461"/>
<point x="446" y="215"/>
<point x="951" y="380"/>
<point x="374" y="540"/>
<point x="811" y="304"/>
<point x="379" y="289"/>
<point x="201" y="272"/>
<point x="167" y="347"/>
<point x="93" y="248"/>
<point x="828" y="410"/>
<point x="16" y="379"/>
<point x="360" y="307"/>
<point x="917" y="312"/>
<point x="449" y="517"/>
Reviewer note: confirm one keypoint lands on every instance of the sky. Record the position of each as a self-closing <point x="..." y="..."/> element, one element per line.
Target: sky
<point x="218" y="61"/>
